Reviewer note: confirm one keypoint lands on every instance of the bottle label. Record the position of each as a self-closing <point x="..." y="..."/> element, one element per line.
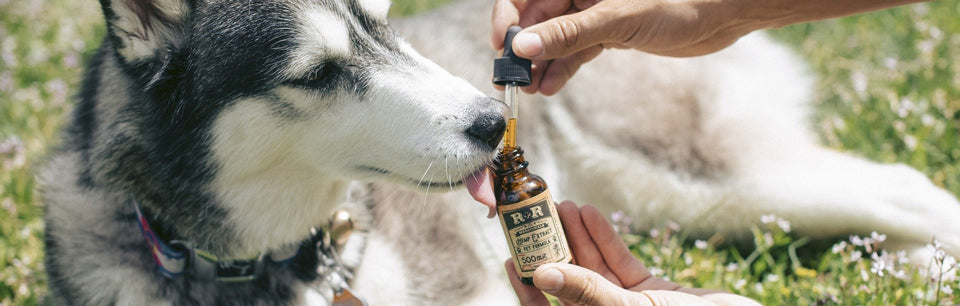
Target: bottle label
<point x="534" y="233"/>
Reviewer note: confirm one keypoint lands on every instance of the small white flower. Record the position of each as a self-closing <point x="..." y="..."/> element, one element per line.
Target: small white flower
<point x="732" y="267"/>
<point x="772" y="278"/>
<point x="654" y="233"/>
<point x="937" y="244"/>
<point x="936" y="33"/>
<point x="768" y="239"/>
<point x="864" y="276"/>
<point x="656" y="271"/>
<point x="739" y="284"/>
<point x="687" y="259"/>
<point x="784" y="225"/>
<point x="890" y="63"/>
<point x="616" y="216"/>
<point x="902" y="257"/>
<point x="6" y="81"/>
<point x="7" y="204"/>
<point x="900" y="274"/>
<point x="758" y="287"/>
<point x="859" y="81"/>
<point x="839" y="247"/>
<point x="946" y="289"/>
<point x="673" y="226"/>
<point x="700" y="244"/>
<point x="22" y="289"/>
<point x="767" y="219"/>
<point x="920" y="9"/>
<point x="939" y="255"/>
<point x="949" y="269"/>
<point x="906" y="107"/>
<point x="877" y="267"/>
<point x="910" y="142"/>
<point x="9" y="59"/>
<point x="856" y="256"/>
<point x="927" y="120"/>
<point x="856" y="240"/>
<point x="11" y="145"/>
<point x="878" y="237"/>
<point x="78" y="45"/>
<point x="918" y="294"/>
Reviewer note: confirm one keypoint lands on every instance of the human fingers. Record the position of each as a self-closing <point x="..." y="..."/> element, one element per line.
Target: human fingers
<point x="578" y="285"/>
<point x="585" y="251"/>
<point x="541" y="10"/>
<point x="561" y="70"/>
<point x="567" y="34"/>
<point x="627" y="268"/>
<point x="505" y="14"/>
<point x="724" y="298"/>
<point x="523" y="13"/>
<point x="584" y="4"/>
<point x="528" y="295"/>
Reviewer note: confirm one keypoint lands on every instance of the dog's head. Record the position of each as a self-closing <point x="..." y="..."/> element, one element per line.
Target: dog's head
<point x="288" y="95"/>
<point x="323" y="86"/>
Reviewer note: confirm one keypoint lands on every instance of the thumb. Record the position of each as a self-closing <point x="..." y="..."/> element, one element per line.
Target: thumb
<point x="564" y="35"/>
<point x="578" y="285"/>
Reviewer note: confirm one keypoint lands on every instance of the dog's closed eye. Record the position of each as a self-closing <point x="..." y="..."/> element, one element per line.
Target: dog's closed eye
<point x="321" y="78"/>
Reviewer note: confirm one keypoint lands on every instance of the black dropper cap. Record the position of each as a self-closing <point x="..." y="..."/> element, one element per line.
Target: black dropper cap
<point x="510" y="68"/>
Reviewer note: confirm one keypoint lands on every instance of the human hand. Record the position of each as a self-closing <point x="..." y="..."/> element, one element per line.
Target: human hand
<point x="561" y="35"/>
<point x="608" y="274"/>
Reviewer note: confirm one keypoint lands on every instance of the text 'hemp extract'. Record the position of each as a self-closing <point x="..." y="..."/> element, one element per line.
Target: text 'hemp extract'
<point x="527" y="213"/>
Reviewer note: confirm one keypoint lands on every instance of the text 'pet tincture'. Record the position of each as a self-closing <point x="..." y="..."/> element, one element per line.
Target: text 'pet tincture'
<point x="527" y="213"/>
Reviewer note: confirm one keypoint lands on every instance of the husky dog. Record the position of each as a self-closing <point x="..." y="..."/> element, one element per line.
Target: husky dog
<point x="230" y="129"/>
<point x="224" y="131"/>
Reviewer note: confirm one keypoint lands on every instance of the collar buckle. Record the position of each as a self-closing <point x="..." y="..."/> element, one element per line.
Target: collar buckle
<point x="207" y="267"/>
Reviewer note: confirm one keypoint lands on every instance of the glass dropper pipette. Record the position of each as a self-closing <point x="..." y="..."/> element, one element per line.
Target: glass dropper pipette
<point x="510" y="98"/>
<point x="512" y="72"/>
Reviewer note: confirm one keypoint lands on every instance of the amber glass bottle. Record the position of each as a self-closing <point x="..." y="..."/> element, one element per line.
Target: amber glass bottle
<point x="528" y="215"/>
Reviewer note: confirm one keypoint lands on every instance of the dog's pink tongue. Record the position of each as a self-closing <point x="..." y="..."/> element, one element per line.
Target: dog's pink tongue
<point x="480" y="186"/>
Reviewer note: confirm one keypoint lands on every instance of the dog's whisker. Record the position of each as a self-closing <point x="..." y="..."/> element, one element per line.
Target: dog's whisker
<point x="426" y="194"/>
<point x="446" y="168"/>
<point x="459" y="170"/>
<point x="420" y="182"/>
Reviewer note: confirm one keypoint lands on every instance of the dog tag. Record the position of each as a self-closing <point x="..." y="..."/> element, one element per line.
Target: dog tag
<point x="340" y="228"/>
<point x="346" y="298"/>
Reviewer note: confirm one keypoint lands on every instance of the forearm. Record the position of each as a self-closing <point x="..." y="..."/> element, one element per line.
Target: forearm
<point x="765" y="14"/>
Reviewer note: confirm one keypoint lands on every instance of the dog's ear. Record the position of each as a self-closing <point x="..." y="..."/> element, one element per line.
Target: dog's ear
<point x="145" y="31"/>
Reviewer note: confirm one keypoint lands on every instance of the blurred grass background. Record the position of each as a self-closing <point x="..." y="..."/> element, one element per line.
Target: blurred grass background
<point x="887" y="90"/>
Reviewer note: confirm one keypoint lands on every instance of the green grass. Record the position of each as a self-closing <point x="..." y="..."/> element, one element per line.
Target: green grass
<point x="42" y="48"/>
<point x="889" y="90"/>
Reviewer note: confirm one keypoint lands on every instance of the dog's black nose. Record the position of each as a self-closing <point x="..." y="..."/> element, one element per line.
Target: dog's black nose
<point x="488" y="128"/>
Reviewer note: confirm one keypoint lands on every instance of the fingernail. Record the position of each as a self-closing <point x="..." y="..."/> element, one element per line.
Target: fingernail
<point x="549" y="279"/>
<point x="528" y="44"/>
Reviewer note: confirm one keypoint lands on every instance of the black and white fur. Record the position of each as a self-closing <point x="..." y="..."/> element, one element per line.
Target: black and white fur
<point x="240" y="125"/>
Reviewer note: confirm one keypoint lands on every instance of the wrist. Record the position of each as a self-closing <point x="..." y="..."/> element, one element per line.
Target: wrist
<point x="765" y="14"/>
<point x="744" y="16"/>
